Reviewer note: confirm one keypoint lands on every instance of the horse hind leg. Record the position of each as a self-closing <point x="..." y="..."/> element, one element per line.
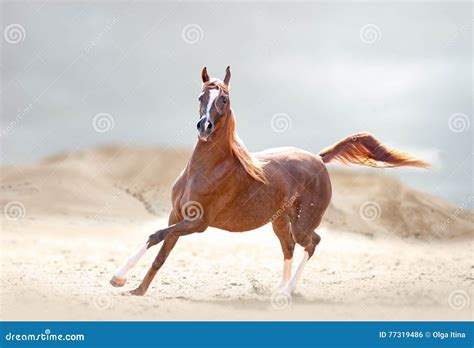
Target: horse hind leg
<point x="282" y="229"/>
<point x="308" y="239"/>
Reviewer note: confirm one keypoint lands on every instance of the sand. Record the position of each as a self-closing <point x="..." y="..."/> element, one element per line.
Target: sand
<point x="388" y="252"/>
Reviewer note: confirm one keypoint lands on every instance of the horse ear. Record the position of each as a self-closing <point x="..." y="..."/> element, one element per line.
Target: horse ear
<point x="205" y="76"/>
<point x="227" y="76"/>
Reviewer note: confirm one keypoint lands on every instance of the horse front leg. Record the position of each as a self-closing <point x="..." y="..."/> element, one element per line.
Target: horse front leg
<point x="170" y="236"/>
<point x="160" y="259"/>
<point x="120" y="276"/>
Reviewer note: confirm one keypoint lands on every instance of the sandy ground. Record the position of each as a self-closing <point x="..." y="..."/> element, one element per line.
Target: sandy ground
<point x="77" y="217"/>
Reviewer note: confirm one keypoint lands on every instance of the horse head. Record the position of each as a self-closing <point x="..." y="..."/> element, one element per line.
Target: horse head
<point x="214" y="104"/>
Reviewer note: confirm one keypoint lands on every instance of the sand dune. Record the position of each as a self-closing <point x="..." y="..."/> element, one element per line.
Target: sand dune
<point x="388" y="251"/>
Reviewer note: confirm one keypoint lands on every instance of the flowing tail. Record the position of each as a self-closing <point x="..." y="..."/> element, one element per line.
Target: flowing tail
<point x="365" y="150"/>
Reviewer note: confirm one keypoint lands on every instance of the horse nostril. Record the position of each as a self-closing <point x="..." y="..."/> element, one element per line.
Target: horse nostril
<point x="204" y="126"/>
<point x="200" y="124"/>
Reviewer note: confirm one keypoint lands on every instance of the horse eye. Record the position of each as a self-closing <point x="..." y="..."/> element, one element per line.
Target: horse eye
<point x="224" y="99"/>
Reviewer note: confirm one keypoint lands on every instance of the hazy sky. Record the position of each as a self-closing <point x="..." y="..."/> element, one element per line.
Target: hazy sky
<point x="319" y="70"/>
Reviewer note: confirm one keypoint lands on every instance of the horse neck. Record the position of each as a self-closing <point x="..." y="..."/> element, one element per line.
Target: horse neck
<point x="219" y="149"/>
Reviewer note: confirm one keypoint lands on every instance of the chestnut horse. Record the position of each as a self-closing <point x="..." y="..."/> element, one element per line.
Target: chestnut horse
<point x="225" y="186"/>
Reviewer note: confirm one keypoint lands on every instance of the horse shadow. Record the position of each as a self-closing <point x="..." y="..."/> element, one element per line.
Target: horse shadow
<point x="262" y="303"/>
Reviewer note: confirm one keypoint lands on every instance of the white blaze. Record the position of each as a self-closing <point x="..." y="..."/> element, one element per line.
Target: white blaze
<point x="213" y="93"/>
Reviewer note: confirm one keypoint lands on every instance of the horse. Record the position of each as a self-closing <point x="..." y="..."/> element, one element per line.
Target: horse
<point x="227" y="187"/>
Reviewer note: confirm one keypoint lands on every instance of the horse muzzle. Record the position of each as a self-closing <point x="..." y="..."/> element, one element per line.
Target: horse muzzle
<point x="204" y="127"/>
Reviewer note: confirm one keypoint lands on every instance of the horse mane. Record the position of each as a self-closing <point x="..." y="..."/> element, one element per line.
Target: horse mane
<point x="253" y="166"/>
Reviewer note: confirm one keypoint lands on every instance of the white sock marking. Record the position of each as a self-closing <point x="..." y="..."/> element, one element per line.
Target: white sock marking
<point x="121" y="272"/>
<point x="286" y="272"/>
<point x="292" y="284"/>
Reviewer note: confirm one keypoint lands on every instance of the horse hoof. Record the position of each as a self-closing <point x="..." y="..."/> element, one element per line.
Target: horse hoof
<point x="137" y="292"/>
<point x="118" y="282"/>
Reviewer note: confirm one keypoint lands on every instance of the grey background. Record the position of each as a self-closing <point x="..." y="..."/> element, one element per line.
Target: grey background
<point x="306" y="60"/>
